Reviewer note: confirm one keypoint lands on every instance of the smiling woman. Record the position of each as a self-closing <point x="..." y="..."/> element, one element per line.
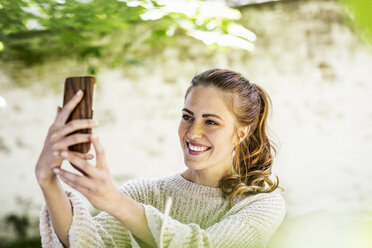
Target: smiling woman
<point x="207" y="135"/>
<point x="242" y="109"/>
<point x="226" y="151"/>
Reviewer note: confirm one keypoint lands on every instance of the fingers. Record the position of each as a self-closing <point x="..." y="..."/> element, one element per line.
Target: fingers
<point x="65" y="112"/>
<point x="79" y="163"/>
<point x="73" y="126"/>
<point x="58" y="110"/>
<point x="100" y="153"/>
<point x="70" y="140"/>
<point x="77" y="182"/>
<point x="87" y="156"/>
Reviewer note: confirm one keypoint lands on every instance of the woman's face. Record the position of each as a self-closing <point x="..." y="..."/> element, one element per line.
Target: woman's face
<point x="206" y="130"/>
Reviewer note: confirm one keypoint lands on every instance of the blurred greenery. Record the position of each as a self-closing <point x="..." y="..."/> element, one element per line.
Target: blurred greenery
<point x="21" y="226"/>
<point x="20" y="229"/>
<point x="32" y="242"/>
<point x="120" y="32"/>
<point x="361" y="11"/>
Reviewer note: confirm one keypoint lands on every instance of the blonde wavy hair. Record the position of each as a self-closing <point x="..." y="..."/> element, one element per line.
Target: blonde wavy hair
<point x="253" y="160"/>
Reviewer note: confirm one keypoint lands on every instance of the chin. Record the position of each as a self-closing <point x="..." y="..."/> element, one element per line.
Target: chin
<point x="194" y="165"/>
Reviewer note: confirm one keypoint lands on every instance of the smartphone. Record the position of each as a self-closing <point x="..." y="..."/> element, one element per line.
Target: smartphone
<point x="84" y="108"/>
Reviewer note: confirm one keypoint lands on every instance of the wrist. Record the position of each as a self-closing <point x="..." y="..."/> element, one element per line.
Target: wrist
<point x="47" y="183"/>
<point x="119" y="206"/>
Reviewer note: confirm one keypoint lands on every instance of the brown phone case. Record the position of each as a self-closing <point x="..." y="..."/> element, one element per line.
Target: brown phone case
<point x="84" y="108"/>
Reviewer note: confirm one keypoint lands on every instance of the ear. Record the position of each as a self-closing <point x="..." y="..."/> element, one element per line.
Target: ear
<point x="243" y="132"/>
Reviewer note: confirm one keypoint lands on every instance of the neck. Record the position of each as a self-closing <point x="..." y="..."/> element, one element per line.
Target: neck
<point x="205" y="177"/>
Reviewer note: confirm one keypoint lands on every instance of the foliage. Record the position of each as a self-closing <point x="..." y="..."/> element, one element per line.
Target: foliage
<point x="361" y="11"/>
<point x="21" y="225"/>
<point x="120" y="31"/>
<point x="23" y="242"/>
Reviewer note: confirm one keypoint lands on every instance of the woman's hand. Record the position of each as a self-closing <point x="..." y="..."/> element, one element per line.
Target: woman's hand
<point x="97" y="186"/>
<point x="95" y="183"/>
<point x="58" y="141"/>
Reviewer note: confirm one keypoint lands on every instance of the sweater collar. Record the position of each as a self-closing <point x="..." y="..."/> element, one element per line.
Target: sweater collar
<point x="194" y="188"/>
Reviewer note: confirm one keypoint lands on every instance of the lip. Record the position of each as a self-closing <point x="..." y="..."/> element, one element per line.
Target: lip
<point x="196" y="144"/>
<point x="196" y="152"/>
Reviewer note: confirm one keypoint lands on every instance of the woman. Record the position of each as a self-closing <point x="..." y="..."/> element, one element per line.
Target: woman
<point x="223" y="199"/>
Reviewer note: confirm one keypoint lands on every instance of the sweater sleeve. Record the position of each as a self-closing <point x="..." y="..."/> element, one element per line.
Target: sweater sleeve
<point x="250" y="223"/>
<point x="102" y="230"/>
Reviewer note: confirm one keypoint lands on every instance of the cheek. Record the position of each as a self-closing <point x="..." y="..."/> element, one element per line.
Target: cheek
<point x="221" y="141"/>
<point x="181" y="131"/>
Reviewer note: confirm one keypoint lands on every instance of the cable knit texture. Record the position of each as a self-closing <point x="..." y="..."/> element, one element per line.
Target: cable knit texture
<point x="199" y="217"/>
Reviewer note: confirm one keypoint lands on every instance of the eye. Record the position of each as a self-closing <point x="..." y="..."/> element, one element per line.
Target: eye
<point x="211" y="122"/>
<point x="186" y="117"/>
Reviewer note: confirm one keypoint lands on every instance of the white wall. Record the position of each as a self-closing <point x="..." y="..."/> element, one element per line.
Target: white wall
<point x="315" y="69"/>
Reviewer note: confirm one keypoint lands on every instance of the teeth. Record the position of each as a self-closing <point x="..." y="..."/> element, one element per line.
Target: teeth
<point x="197" y="148"/>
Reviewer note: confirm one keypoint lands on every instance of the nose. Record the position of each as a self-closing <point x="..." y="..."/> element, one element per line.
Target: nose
<point x="195" y="131"/>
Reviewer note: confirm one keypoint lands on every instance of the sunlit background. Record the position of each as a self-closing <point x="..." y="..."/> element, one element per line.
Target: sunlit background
<point x="313" y="57"/>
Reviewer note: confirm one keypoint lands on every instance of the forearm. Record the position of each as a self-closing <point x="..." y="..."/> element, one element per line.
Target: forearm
<point x="131" y="214"/>
<point x="59" y="208"/>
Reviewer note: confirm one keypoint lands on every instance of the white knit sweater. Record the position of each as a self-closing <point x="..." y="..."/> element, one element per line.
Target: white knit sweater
<point x="198" y="217"/>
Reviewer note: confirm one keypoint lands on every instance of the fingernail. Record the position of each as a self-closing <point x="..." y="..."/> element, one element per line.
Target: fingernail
<point x="79" y="93"/>
<point x="56" y="170"/>
<point x="95" y="122"/>
<point x="90" y="156"/>
<point x="64" y="154"/>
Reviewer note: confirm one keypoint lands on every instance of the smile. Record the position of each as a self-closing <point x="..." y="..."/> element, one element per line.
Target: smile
<point x="195" y="150"/>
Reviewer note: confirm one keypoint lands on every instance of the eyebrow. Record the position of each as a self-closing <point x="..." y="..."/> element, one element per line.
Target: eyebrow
<point x="204" y="115"/>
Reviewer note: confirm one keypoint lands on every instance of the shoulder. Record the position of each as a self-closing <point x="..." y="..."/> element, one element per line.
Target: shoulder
<point x="272" y="203"/>
<point x="272" y="198"/>
<point x="264" y="212"/>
